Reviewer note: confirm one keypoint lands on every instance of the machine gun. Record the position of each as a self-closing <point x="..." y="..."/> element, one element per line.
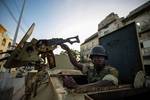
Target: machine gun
<point x="50" y="44"/>
<point x="33" y="53"/>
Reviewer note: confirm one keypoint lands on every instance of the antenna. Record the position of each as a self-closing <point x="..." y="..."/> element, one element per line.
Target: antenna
<point x="17" y="29"/>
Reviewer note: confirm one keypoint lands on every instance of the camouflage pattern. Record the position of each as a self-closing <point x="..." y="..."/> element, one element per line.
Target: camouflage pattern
<point x="93" y="76"/>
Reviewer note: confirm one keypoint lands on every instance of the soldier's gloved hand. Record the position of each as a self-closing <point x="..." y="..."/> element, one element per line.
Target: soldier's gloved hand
<point x="69" y="82"/>
<point x="65" y="47"/>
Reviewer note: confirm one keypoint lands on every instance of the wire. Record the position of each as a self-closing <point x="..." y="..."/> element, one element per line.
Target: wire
<point x="11" y="14"/>
<point x="19" y="10"/>
<point x="17" y="7"/>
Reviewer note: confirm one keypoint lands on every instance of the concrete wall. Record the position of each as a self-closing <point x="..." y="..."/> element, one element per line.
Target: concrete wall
<point x="111" y="23"/>
<point x="5" y="40"/>
<point x="5" y="43"/>
<point x="86" y="48"/>
<point x="110" y="28"/>
<point x="143" y="20"/>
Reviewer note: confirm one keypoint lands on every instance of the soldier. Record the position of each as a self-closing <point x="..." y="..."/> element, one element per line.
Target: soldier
<point x="101" y="74"/>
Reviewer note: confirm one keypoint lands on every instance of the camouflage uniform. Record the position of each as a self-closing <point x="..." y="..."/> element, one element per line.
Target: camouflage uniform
<point x="108" y="73"/>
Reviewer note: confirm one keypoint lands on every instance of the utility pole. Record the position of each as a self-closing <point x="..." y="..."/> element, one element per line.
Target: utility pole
<point x="19" y="21"/>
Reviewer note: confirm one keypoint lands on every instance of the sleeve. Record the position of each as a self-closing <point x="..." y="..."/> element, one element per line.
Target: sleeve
<point x="112" y="76"/>
<point x="114" y="72"/>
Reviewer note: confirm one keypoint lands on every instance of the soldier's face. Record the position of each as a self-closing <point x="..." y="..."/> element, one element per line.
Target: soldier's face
<point x="98" y="60"/>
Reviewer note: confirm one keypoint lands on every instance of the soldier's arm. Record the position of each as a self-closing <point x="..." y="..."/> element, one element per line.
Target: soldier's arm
<point x="72" y="58"/>
<point x="112" y="76"/>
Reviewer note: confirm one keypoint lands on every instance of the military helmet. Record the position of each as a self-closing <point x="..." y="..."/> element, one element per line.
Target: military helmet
<point x="98" y="51"/>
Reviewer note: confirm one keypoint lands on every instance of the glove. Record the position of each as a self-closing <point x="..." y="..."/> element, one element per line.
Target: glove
<point x="69" y="82"/>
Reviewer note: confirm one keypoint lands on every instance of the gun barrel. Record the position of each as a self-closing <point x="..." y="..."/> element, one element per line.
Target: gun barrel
<point x="58" y="41"/>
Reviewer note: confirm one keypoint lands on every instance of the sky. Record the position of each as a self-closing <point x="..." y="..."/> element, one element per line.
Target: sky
<point x="62" y="18"/>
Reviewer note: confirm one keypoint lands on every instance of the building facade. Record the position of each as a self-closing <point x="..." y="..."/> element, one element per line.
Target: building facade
<point x="111" y="23"/>
<point x="86" y="47"/>
<point x="141" y="16"/>
<point x="5" y="42"/>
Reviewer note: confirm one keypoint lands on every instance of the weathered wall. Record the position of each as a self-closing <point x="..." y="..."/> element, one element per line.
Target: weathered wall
<point x="86" y="48"/>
